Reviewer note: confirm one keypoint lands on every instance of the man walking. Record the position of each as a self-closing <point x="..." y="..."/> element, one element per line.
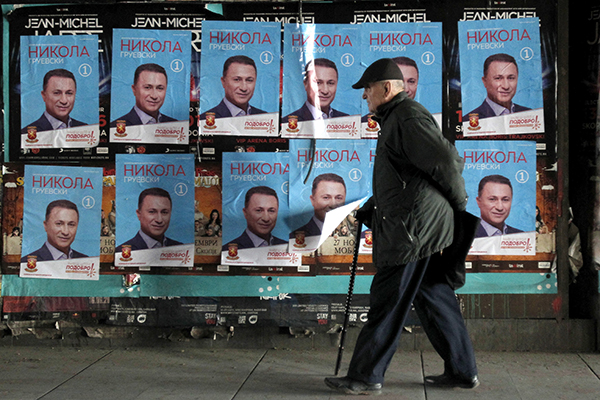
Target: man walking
<point x="417" y="187"/>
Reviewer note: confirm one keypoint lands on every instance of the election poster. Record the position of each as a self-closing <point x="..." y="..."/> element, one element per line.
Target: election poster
<point x="59" y="97"/>
<point x="501" y="77"/>
<point x="61" y="222"/>
<point x="69" y="40"/>
<point x="154" y="210"/>
<point x="240" y="78"/>
<point x="177" y="16"/>
<point x="320" y="65"/>
<point x="256" y="214"/>
<point x="150" y="86"/>
<point x="417" y="50"/>
<point x="500" y="178"/>
<point x="324" y="177"/>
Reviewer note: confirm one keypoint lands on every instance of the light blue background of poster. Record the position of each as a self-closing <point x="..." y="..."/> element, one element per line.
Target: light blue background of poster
<point x="522" y="213"/>
<point x="427" y="56"/>
<point x="32" y="76"/>
<point x="357" y="174"/>
<point x="177" y="99"/>
<point x="266" y="91"/>
<point x="181" y="227"/>
<point x="346" y="58"/>
<point x="234" y="192"/>
<point x="529" y="86"/>
<point x="87" y="240"/>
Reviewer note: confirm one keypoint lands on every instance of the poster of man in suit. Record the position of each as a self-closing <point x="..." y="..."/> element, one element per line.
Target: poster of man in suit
<point x="61" y="222"/>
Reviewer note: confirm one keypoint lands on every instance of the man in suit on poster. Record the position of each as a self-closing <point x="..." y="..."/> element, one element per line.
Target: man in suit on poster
<point x="328" y="193"/>
<point x="60" y="224"/>
<point x="320" y="84"/>
<point x="500" y="78"/>
<point x="261" y="207"/>
<point x="239" y="81"/>
<point x="154" y="213"/>
<point x="149" y="89"/>
<point x="494" y="199"/>
<point x="58" y="93"/>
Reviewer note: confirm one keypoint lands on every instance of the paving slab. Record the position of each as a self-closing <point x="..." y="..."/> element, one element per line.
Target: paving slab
<point x="148" y="373"/>
<point x="522" y="375"/>
<point x="31" y="372"/>
<point x="299" y="375"/>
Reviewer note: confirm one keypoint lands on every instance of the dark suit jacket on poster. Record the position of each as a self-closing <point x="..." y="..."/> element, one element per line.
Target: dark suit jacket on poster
<point x="138" y="243"/>
<point x="221" y="111"/>
<point x="42" y="124"/>
<point x="131" y="118"/>
<point x="304" y="114"/>
<point x="485" y="111"/>
<point x="310" y="229"/>
<point x="244" y="242"/>
<point x="43" y="254"/>
<point x="482" y="233"/>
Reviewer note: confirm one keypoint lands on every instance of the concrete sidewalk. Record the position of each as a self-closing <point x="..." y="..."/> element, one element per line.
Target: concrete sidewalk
<point x="61" y="373"/>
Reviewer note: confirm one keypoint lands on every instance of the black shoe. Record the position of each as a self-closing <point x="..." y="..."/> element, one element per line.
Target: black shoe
<point x="452" y="381"/>
<point x="352" y="386"/>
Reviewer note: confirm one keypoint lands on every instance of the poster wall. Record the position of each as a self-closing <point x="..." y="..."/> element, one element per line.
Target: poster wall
<point x="210" y="180"/>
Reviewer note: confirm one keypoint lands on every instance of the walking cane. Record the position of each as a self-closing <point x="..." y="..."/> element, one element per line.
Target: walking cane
<point x="349" y="297"/>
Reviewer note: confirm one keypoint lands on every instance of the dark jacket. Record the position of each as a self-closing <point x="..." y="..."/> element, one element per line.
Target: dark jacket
<point x="221" y="111"/>
<point x="304" y="114"/>
<point x="417" y="185"/>
<point x="485" y="111"/>
<point x="138" y="243"/>
<point x="42" y="124"/>
<point x="43" y="254"/>
<point x="132" y="119"/>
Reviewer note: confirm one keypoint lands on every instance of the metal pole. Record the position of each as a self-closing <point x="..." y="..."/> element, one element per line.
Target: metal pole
<point x="349" y="297"/>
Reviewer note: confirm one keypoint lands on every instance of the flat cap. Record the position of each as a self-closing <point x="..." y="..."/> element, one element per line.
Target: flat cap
<point x="381" y="70"/>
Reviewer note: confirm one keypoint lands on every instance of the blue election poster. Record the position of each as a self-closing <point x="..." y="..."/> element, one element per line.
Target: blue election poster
<point x="501" y="77"/>
<point x="61" y="222"/>
<point x="256" y="214"/>
<point x="330" y="175"/>
<point x="59" y="92"/>
<point x="155" y="210"/>
<point x="417" y="50"/>
<point x="150" y="86"/>
<point x="239" y="78"/>
<point x="500" y="177"/>
<point x="319" y="68"/>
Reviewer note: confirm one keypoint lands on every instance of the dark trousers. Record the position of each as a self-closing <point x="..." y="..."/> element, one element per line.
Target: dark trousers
<point x="393" y="291"/>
